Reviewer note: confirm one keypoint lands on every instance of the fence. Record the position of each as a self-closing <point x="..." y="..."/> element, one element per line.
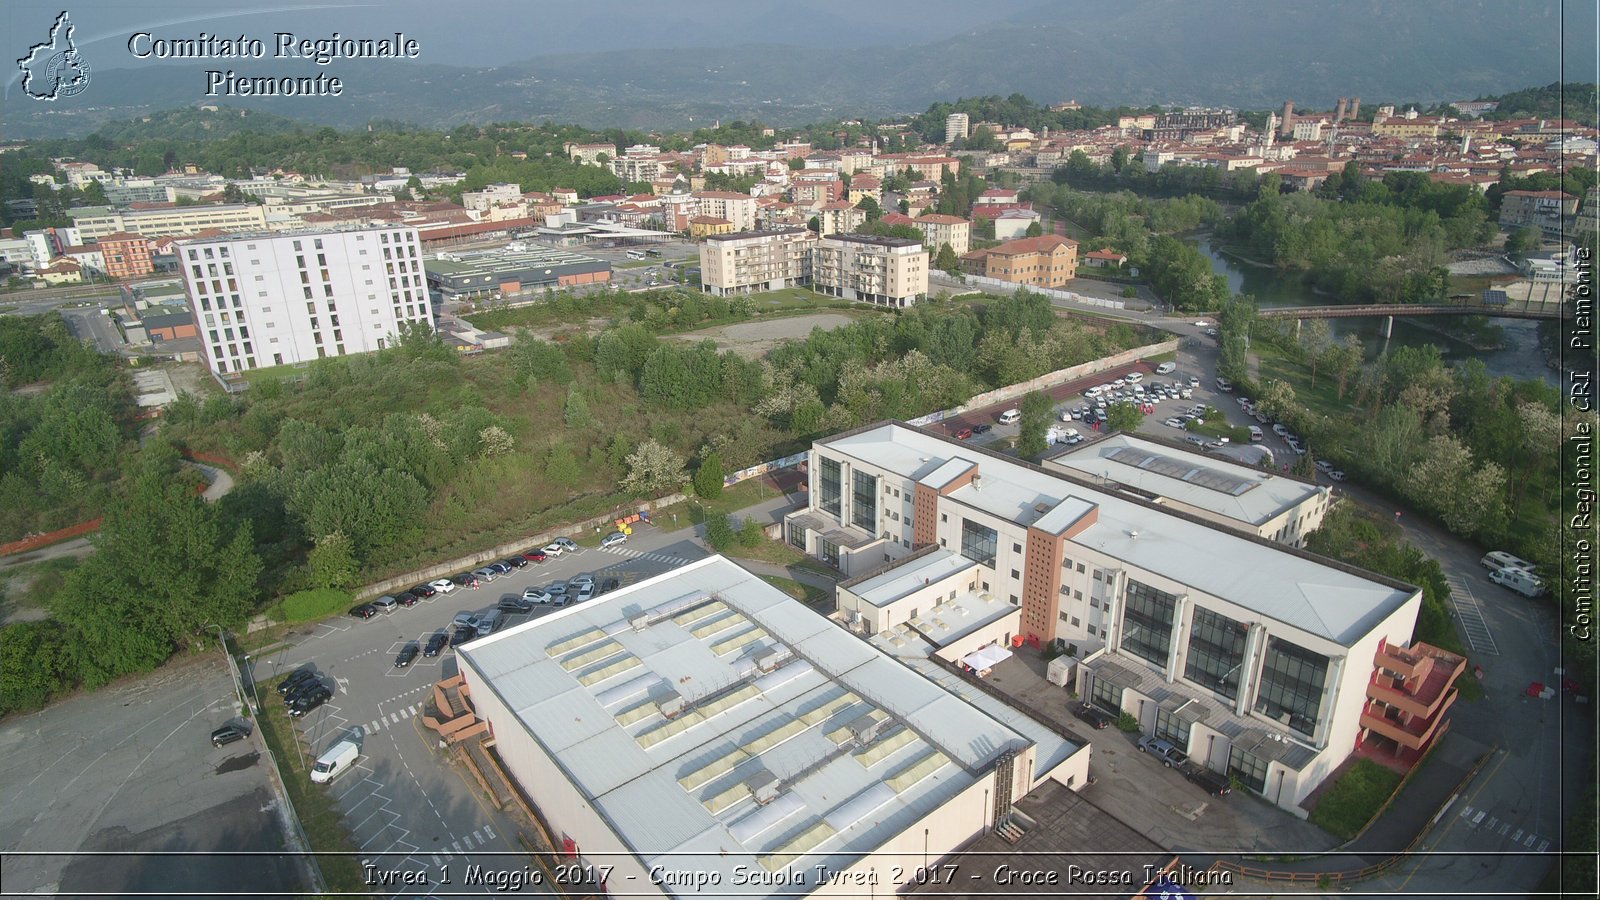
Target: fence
<point x="35" y="541"/>
<point x="1009" y="287"/>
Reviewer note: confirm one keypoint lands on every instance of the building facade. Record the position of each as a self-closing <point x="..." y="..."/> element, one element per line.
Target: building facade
<point x="264" y="300"/>
<point x="756" y="261"/>
<point x="879" y="270"/>
<point x="955" y="127"/>
<point x="939" y="230"/>
<point x="740" y="209"/>
<point x="1047" y="261"/>
<point x="1259" y="667"/>
<point x="126" y="255"/>
<point x="99" y="221"/>
<point x="1548" y="211"/>
<point x="499" y="273"/>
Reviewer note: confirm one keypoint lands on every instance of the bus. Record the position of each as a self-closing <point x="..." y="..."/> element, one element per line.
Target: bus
<point x="636" y="254"/>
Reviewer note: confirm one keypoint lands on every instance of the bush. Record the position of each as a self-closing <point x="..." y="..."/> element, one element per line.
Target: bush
<point x="1354" y="799"/>
<point x="309" y="606"/>
<point x="751" y="534"/>
<point x="1127" y="722"/>
<point x="719" y="532"/>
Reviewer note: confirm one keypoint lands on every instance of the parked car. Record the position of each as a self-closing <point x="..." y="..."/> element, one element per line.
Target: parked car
<point x="583" y="580"/>
<point x="406" y="599"/>
<point x="385" y="603"/>
<point x="1164" y="750"/>
<point x="227" y="734"/>
<point x="516" y="562"/>
<point x="557" y="588"/>
<point x="436" y="643"/>
<point x="607" y="586"/>
<point x="309" y="702"/>
<point x="567" y="544"/>
<point x="514" y="603"/>
<point x="499" y="568"/>
<point x="424" y="591"/>
<point x="294" y="680"/>
<point x="309" y="686"/>
<point x="536" y="555"/>
<point x="585" y="592"/>
<point x="463" y="634"/>
<point x="613" y="539"/>
<point x="1213" y="782"/>
<point x="535" y="595"/>
<point x="407" y="654"/>
<point x="466" y="619"/>
<point x="443" y="585"/>
<point x="485" y="575"/>
<point x="982" y="428"/>
<point x="963" y="434"/>
<point x="465" y="579"/>
<point x="553" y="550"/>
<point x="1336" y="475"/>
<point x="364" y="611"/>
<point x="1094" y="716"/>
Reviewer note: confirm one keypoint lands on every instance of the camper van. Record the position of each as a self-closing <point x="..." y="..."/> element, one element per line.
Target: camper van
<point x="1255" y="433"/>
<point x="1166" y="368"/>
<point x="1520" y="580"/>
<point x="1011" y="417"/>
<point x="330" y="765"/>
<point x="1495" y="560"/>
<point x="636" y="254"/>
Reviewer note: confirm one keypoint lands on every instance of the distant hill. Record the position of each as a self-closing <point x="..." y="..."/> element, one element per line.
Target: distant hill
<point x="1243" y="53"/>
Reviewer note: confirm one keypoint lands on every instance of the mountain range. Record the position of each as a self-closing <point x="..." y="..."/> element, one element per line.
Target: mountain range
<point x="1242" y="53"/>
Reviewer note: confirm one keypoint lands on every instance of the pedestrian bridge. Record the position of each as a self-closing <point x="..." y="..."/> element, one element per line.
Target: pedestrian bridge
<point x="1348" y="311"/>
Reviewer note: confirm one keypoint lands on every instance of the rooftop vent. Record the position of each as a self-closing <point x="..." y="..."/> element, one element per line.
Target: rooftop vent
<point x="639" y="622"/>
<point x="1133" y="535"/>
<point x="670" y="703"/>
<point x="866" y="728"/>
<point x="977" y="482"/>
<point x="768" y="659"/>
<point x="763" y="786"/>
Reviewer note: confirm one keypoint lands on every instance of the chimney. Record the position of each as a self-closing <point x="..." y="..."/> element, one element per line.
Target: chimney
<point x="1288" y="118"/>
<point x="1355" y="108"/>
<point x="1338" y="113"/>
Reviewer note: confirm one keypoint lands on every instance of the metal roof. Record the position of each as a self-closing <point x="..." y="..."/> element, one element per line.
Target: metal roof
<point x="593" y="683"/>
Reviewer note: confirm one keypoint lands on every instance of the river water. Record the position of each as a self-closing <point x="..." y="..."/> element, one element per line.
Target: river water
<point x="1519" y="358"/>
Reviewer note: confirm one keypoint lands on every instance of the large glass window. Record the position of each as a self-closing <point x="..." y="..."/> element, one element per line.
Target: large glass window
<point x="797" y="535"/>
<point x="1250" y="769"/>
<point x="828" y="552"/>
<point x="1147" y="622"/>
<point x="1216" y="652"/>
<point x="978" y="542"/>
<point x="1291" y="685"/>
<point x="864" y="501"/>
<point x="1107" y="696"/>
<point x="1174" y="728"/>
<point x="829" y="486"/>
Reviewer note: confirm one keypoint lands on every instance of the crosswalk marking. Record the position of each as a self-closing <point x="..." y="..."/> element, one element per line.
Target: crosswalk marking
<point x="478" y="834"/>
<point x="437" y="862"/>
<point x="1517" y="836"/>
<point x="1529" y="841"/>
<point x="373" y="727"/>
<point x="489" y="831"/>
<point x="393" y="719"/>
<point x="1470" y="617"/>
<point x="467" y="840"/>
<point x="412" y="711"/>
<point x="1543" y="846"/>
<point x="456" y="845"/>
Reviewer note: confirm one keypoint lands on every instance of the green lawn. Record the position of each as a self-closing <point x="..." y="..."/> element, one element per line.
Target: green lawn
<point x="313" y="804"/>
<point x="1355" y="798"/>
<point x="811" y="596"/>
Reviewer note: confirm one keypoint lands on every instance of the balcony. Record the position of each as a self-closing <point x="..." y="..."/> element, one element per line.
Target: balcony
<point x="1413" y="732"/>
<point x="1415" y="680"/>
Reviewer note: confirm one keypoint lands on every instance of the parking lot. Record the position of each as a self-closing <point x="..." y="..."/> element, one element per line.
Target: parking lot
<point x="128" y="773"/>
<point x="410" y="807"/>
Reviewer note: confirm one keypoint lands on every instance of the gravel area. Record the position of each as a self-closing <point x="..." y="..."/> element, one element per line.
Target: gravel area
<point x="754" y="339"/>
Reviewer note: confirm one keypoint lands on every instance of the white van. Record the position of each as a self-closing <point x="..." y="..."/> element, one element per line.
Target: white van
<point x="1011" y="417"/>
<point x="1495" y="560"/>
<point x="1135" y="377"/>
<point x="330" y="765"/>
<point x="1255" y="433"/>
<point x="1166" y="368"/>
<point x="636" y="254"/>
<point x="1520" y="580"/>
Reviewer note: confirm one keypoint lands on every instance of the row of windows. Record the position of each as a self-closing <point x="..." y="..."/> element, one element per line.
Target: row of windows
<point x="1147" y="617"/>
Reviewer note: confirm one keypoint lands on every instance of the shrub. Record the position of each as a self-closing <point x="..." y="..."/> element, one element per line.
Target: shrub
<point x="751" y="534"/>
<point x="719" y="532"/>
<point x="1127" y="722"/>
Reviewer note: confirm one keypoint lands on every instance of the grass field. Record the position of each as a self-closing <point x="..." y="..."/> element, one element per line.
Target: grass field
<point x="1355" y="798"/>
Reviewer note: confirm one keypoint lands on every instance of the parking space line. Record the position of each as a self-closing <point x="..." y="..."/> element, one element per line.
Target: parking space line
<point x="412" y="711"/>
<point x="489" y="831"/>
<point x="1543" y="846"/>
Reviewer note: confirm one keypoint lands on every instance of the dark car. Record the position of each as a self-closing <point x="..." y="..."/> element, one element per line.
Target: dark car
<point x="437" y="643"/>
<point x="424" y="591"/>
<point x="309" y="686"/>
<point x="514" y="603"/>
<point x="407" y="654"/>
<point x="227" y="734"/>
<point x="499" y="568"/>
<point x="295" y="681"/>
<point x="1095" y="717"/>
<point x="310" y="701"/>
<point x="462" y="634"/>
<point x="963" y="433"/>
<point x="466" y="580"/>
<point x="407" y="599"/>
<point x="535" y="555"/>
<point x="607" y="586"/>
<point x="364" y="611"/>
<point x="516" y="562"/>
<point x="982" y="428"/>
<point x="1213" y="782"/>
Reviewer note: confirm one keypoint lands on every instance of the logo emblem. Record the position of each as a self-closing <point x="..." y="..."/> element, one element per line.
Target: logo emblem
<point x="1166" y="890"/>
<point x="54" y="69"/>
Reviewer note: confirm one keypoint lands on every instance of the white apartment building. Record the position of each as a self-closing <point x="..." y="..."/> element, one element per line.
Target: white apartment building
<point x="756" y="260"/>
<point x="264" y="299"/>
<point x="99" y="221"/>
<point x="490" y="196"/>
<point x="1253" y="657"/>
<point x="955" y="127"/>
<point x="740" y="209"/>
<point x="938" y="230"/>
<point x="881" y="270"/>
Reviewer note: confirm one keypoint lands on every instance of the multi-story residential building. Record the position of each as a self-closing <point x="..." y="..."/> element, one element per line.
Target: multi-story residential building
<point x="97" y="221"/>
<point x="740" y="209"/>
<point x="706" y="226"/>
<point x="939" y="230"/>
<point x="756" y="261"/>
<point x="493" y="195"/>
<point x="840" y="216"/>
<point x="1047" y="261"/>
<point x="1257" y="659"/>
<point x="1409" y="125"/>
<point x="879" y="270"/>
<point x="128" y="191"/>
<point x="955" y="127"/>
<point x="278" y="299"/>
<point x="126" y="255"/>
<point x="1548" y="211"/>
<point x="590" y="154"/>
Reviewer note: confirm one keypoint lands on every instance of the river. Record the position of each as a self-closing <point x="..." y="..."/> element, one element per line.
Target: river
<point x="1519" y="358"/>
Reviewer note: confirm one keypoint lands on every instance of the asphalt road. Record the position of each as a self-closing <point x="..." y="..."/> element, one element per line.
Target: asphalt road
<point x="410" y="810"/>
<point x="129" y="772"/>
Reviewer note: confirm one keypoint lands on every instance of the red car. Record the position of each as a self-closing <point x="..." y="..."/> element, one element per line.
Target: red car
<point x="963" y="434"/>
<point x="535" y="556"/>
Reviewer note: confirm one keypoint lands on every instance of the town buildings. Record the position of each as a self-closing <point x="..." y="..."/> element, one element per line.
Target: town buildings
<point x="500" y="273"/>
<point x="272" y="299"/>
<point x="126" y="255"/>
<point x="1550" y="212"/>
<point x="879" y="270"/>
<point x="97" y="221"/>
<point x="940" y="230"/>
<point x="955" y="127"/>
<point x="756" y="261"/>
<point x="1261" y="667"/>
<point x="1047" y="261"/>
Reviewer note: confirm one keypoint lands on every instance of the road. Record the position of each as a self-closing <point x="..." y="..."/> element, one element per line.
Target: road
<point x="409" y="809"/>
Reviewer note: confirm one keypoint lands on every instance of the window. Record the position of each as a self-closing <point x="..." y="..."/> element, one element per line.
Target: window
<point x="1097" y="575"/>
<point x="1292" y="679"/>
<point x="1091" y="631"/>
<point x="1250" y="769"/>
<point x="797" y="536"/>
<point x="829" y="486"/>
<point x="1106" y="694"/>
<point x="1147" y="622"/>
<point x="1015" y="548"/>
<point x="1173" y="728"/>
<point x="1216" y="652"/>
<point x="864" y="500"/>
<point x="1080" y="568"/>
<point x="1015" y="601"/>
<point x="944" y="517"/>
<point x="978" y="542"/>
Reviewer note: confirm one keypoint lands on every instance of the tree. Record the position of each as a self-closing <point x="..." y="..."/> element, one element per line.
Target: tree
<point x="1119" y="159"/>
<point x="719" y="532"/>
<point x="947" y="261"/>
<point x="653" y="469"/>
<point x="751" y="534"/>
<point x="1034" y="230"/>
<point x="1522" y="243"/>
<point x="1345" y="359"/>
<point x="332" y="562"/>
<point x="561" y="467"/>
<point x="577" y="413"/>
<point x="1124" y="417"/>
<point x="1276" y="399"/>
<point x="1036" y="414"/>
<point x="870" y="206"/>
<point x="1315" y="338"/>
<point x="708" y="478"/>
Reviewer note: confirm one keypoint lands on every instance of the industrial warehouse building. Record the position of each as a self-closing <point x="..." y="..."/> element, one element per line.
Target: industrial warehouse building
<point x="701" y="731"/>
<point x="1256" y="658"/>
<point x="461" y="275"/>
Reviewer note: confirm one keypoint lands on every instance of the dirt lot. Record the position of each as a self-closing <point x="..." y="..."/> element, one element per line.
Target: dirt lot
<point x="754" y="339"/>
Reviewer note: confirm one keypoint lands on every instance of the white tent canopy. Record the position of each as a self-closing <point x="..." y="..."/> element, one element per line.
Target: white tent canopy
<point x="987" y="657"/>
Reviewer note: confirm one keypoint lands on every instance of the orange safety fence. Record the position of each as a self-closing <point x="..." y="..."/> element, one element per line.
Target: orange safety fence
<point x="35" y="541"/>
